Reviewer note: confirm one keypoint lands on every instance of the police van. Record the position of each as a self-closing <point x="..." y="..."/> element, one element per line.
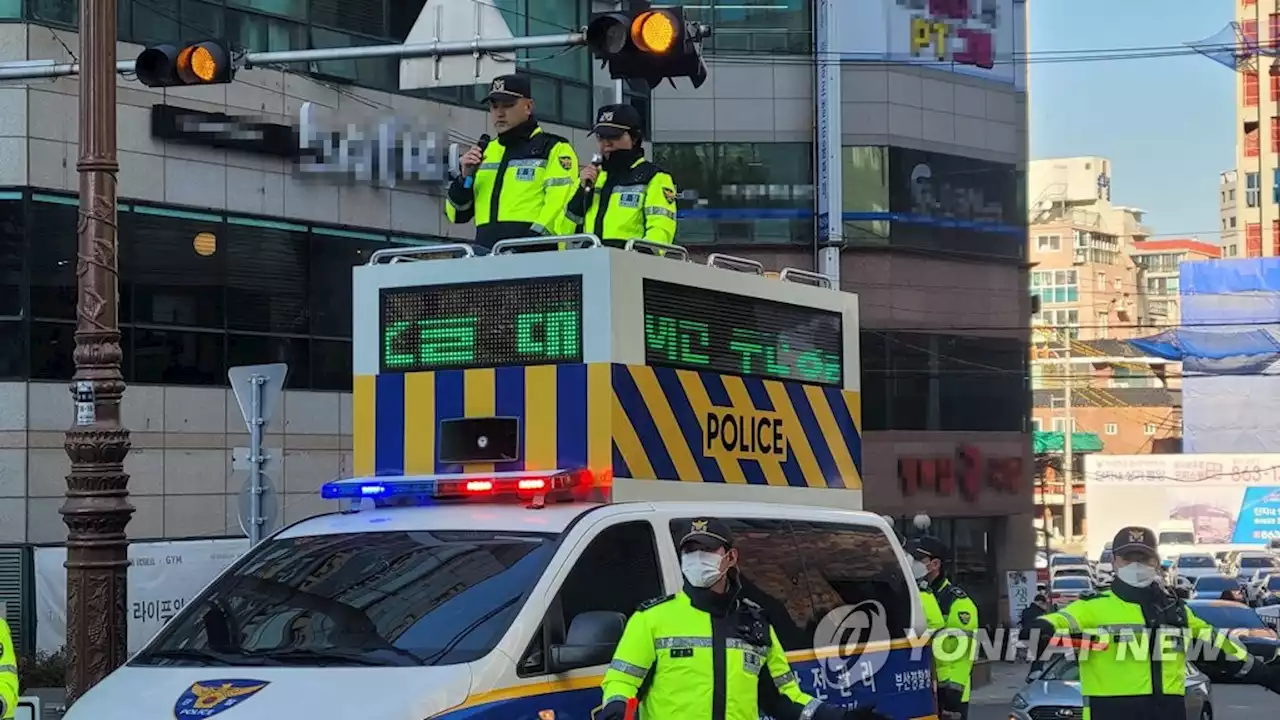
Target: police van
<point x="532" y="430"/>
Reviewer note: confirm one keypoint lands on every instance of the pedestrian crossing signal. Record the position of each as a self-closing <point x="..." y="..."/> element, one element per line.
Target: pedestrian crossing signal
<point x="649" y="44"/>
<point x="203" y="63"/>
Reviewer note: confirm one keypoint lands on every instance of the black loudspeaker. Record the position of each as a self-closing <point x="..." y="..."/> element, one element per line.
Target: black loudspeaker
<point x="479" y="440"/>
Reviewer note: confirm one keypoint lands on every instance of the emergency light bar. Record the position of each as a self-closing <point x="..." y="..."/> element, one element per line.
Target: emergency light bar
<point x="468" y="486"/>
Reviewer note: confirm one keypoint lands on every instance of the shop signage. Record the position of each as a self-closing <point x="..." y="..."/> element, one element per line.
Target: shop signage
<point x="966" y="473"/>
<point x="220" y="130"/>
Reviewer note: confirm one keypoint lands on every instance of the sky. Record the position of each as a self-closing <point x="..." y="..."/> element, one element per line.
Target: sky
<point x="1165" y="123"/>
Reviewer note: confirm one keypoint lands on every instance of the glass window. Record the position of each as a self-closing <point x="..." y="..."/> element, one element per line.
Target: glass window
<point x="850" y="565"/>
<point x="62" y="12"/>
<point x="264" y="349"/>
<point x="382" y="599"/>
<point x="52" y="260"/>
<point x="772" y="569"/>
<point x="51" y="347"/>
<point x="331" y="365"/>
<point x="12" y="255"/>
<point x="296" y="9"/>
<point x="13" y="350"/>
<point x="179" y="357"/>
<point x="605" y="579"/>
<point x="332" y="259"/>
<point x="266" y="279"/>
<point x="10" y="9"/>
<point x="366" y="17"/>
<point x="866" y="192"/>
<point x="264" y="34"/>
<point x="760" y="26"/>
<point x="379" y="73"/>
<point x="167" y="281"/>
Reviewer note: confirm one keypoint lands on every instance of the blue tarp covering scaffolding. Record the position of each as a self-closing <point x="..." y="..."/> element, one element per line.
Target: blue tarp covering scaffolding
<point x="1229" y="346"/>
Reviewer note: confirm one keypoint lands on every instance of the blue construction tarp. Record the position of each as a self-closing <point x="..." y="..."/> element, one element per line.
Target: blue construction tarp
<point x="1229" y="346"/>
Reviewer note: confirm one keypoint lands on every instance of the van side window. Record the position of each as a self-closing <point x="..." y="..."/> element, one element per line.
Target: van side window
<point x="848" y="565"/>
<point x="618" y="571"/>
<point x="772" y="576"/>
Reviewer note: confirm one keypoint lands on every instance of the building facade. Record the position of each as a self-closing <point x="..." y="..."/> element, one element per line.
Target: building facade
<point x="1228" y="215"/>
<point x="1258" y="132"/>
<point x="1157" y="263"/>
<point x="934" y="215"/>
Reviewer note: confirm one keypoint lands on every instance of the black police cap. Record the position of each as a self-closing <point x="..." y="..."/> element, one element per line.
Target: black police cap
<point x="617" y="120"/>
<point x="707" y="534"/>
<point x="509" y="87"/>
<point x="928" y="547"/>
<point x="1135" y="538"/>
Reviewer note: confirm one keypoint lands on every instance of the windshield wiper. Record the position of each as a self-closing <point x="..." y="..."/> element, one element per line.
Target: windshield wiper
<point x="330" y="657"/>
<point x="200" y="654"/>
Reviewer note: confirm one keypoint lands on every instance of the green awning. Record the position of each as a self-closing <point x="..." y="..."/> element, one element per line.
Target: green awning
<point x="1047" y="442"/>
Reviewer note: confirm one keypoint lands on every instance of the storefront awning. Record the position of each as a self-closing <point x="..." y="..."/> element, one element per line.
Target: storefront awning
<point x="1047" y="442"/>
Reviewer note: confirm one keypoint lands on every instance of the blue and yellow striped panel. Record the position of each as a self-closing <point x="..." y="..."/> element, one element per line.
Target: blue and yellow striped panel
<point x="396" y="417"/>
<point x="706" y="427"/>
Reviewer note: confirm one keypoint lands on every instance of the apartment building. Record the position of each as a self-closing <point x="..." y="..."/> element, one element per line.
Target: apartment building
<point x="1258" y="117"/>
<point x="1157" y="263"/>
<point x="1229" y="238"/>
<point x="1080" y="245"/>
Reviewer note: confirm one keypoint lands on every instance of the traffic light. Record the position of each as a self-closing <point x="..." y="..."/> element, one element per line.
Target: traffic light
<point x="649" y="44"/>
<point x="203" y="63"/>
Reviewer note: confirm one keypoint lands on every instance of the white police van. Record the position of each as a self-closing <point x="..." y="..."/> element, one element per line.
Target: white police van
<point x="530" y="431"/>
<point x="440" y="600"/>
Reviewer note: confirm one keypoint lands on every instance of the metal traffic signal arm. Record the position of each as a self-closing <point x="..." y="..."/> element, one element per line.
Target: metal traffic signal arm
<point x="204" y="65"/>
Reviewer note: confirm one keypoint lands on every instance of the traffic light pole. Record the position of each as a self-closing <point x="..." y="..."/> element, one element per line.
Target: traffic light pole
<point x="37" y="70"/>
<point x="96" y="510"/>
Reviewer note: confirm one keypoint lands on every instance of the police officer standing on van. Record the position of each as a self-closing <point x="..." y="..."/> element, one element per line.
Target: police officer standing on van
<point x="1133" y="641"/>
<point x="954" y="645"/>
<point x="676" y="647"/>
<point x="626" y="197"/>
<point x="516" y="186"/>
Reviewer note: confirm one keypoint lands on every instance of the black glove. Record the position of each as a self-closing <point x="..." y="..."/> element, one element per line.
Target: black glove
<point x="950" y="698"/>
<point x="616" y="710"/>
<point x="867" y="712"/>
<point x="1270" y="676"/>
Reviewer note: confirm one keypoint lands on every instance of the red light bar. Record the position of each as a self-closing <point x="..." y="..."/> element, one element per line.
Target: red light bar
<point x="523" y="485"/>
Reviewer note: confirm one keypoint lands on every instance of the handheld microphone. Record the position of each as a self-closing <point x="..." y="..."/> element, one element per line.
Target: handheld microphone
<point x="482" y="143"/>
<point x="595" y="160"/>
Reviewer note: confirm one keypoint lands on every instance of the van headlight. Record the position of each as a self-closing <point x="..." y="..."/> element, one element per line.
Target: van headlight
<point x="1020" y="702"/>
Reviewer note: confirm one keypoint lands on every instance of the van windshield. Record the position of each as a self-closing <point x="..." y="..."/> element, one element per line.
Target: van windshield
<point x="359" y="599"/>
<point x="1173" y="537"/>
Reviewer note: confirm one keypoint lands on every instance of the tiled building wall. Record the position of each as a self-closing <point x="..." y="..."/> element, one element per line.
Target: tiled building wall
<point x="181" y="478"/>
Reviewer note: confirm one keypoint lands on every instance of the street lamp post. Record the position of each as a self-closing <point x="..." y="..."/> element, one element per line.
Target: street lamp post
<point x="97" y="508"/>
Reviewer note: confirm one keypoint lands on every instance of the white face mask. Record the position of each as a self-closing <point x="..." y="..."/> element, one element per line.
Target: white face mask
<point x="918" y="570"/>
<point x="1136" y="574"/>
<point x="701" y="569"/>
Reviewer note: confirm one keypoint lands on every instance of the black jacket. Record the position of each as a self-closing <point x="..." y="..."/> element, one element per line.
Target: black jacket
<point x="1029" y="616"/>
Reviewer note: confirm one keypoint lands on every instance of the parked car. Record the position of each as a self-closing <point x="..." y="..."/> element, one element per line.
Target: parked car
<point x="1211" y="587"/>
<point x="1249" y="565"/>
<point x="1063" y="589"/>
<point x="1189" y="566"/>
<point x="1242" y="623"/>
<point x="1105" y="567"/>
<point x="1265" y="590"/>
<point x="1223" y="558"/>
<point x="1055" y="695"/>
<point x="1063" y="561"/>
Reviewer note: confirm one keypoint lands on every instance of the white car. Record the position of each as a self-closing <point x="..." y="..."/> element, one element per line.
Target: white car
<point x="1104" y="568"/>
<point x="1189" y="566"/>
<point x="1253" y="564"/>
<point x="1211" y="587"/>
<point x="1263" y="588"/>
<point x="1062" y="561"/>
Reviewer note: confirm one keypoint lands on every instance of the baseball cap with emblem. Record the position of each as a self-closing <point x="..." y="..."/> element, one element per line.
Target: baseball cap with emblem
<point x="617" y="120"/>
<point x="1135" y="539"/>
<point x="509" y="87"/>
<point x="706" y="534"/>
<point x="927" y="547"/>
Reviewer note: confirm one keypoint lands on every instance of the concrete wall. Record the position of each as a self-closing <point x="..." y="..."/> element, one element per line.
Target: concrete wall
<point x="181" y="481"/>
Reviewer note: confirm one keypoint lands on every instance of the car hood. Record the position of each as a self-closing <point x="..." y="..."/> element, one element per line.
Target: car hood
<point x="268" y="693"/>
<point x="1053" y="692"/>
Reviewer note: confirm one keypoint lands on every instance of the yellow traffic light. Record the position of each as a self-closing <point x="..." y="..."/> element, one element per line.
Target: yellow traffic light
<point x="204" y="63"/>
<point x="654" y="31"/>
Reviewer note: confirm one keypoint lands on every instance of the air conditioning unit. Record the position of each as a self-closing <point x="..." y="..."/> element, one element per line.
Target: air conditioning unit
<point x="1079" y="257"/>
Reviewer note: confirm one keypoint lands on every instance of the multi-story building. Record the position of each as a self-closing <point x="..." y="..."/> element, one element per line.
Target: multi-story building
<point x="1228" y="184"/>
<point x="1080" y="244"/>
<point x="1258" y="117"/>
<point x="1157" y="263"/>
<point x="933" y="159"/>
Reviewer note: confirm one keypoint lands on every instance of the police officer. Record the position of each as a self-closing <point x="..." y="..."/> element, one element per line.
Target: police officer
<point x="954" y="646"/>
<point x="627" y="197"/>
<point x="683" y="656"/>
<point x="521" y="181"/>
<point x="8" y="674"/>
<point x="1132" y="641"/>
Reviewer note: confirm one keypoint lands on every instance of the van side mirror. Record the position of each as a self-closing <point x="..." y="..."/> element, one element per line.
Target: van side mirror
<point x="591" y="640"/>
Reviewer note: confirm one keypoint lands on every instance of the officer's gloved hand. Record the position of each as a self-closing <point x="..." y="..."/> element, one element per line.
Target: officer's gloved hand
<point x="867" y="712"/>
<point x="950" y="698"/>
<point x="616" y="710"/>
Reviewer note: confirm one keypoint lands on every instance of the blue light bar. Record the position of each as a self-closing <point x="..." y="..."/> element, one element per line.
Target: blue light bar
<point x="478" y="486"/>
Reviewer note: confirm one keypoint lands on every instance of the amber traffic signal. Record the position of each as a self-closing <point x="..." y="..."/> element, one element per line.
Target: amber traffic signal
<point x="648" y="44"/>
<point x="202" y="63"/>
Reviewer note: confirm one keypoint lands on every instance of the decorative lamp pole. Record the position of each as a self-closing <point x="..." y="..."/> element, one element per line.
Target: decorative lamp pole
<point x="97" y="508"/>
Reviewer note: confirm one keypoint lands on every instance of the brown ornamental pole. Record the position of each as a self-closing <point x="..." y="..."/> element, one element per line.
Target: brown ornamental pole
<point x="97" y="508"/>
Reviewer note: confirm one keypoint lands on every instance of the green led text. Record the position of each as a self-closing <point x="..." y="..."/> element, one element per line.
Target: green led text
<point x="751" y="352"/>
<point x="548" y="335"/>
<point x="552" y="336"/>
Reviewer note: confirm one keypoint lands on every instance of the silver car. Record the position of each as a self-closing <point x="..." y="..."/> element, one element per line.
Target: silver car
<point x="1056" y="695"/>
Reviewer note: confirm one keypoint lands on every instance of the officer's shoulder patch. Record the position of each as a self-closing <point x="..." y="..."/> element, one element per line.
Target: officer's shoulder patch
<point x="964" y="616"/>
<point x="566" y="162"/>
<point x="669" y="194"/>
<point x="654" y="602"/>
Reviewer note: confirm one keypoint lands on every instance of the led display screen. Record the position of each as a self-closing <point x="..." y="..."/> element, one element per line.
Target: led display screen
<point x="721" y="332"/>
<point x="489" y="324"/>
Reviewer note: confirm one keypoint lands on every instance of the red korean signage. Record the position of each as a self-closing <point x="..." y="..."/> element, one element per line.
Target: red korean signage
<point x="967" y="473"/>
